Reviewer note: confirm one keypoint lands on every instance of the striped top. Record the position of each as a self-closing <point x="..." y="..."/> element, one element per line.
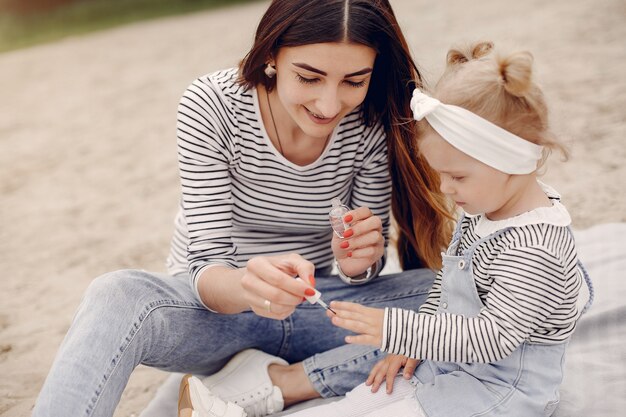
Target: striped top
<point x="526" y="278"/>
<point x="241" y="198"/>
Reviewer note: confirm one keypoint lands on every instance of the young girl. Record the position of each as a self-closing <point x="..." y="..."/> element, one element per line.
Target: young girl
<point x="493" y="332"/>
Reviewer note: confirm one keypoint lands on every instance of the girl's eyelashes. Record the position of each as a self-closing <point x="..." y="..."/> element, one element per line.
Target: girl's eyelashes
<point x="305" y="80"/>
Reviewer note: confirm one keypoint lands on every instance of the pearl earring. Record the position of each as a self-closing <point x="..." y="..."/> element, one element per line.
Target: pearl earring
<point x="270" y="71"/>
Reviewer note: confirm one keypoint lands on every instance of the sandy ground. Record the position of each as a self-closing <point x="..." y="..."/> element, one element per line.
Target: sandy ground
<point x="88" y="173"/>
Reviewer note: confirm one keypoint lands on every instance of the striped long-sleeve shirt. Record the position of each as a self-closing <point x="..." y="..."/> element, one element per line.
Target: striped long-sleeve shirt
<point x="241" y="198"/>
<point x="527" y="280"/>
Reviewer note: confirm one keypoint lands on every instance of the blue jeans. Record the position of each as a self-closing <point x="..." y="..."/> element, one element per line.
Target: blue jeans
<point x="129" y="317"/>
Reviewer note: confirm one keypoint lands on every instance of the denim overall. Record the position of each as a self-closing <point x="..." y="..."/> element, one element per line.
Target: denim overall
<point x="524" y="384"/>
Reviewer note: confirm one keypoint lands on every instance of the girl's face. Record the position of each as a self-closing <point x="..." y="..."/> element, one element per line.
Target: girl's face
<point x="474" y="186"/>
<point x="319" y="84"/>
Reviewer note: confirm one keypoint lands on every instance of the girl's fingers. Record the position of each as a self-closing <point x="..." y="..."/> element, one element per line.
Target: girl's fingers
<point x="365" y="321"/>
<point x="389" y="381"/>
<point x="347" y="306"/>
<point x="378" y="379"/>
<point x="352" y="325"/>
<point x="374" y="372"/>
<point x="355" y="311"/>
<point x="409" y="368"/>
<point x="362" y="339"/>
<point x="358" y="323"/>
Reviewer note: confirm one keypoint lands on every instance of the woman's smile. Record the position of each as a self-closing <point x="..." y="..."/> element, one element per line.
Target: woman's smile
<point x="317" y="118"/>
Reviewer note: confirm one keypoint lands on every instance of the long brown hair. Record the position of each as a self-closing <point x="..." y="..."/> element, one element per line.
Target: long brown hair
<point x="417" y="205"/>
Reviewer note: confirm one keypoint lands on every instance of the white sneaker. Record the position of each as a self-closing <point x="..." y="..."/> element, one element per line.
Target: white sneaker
<point x="196" y="400"/>
<point x="245" y="381"/>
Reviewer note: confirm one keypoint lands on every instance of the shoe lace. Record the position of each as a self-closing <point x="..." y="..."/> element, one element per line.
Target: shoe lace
<point x="262" y="405"/>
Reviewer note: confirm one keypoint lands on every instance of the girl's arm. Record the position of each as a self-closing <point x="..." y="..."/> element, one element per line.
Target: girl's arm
<point x="434" y="296"/>
<point x="514" y="309"/>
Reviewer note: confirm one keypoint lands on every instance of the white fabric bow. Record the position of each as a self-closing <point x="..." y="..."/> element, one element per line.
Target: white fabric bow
<point x="477" y="137"/>
<point x="422" y="105"/>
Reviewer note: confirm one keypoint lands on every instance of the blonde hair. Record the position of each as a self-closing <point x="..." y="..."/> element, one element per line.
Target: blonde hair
<point x="500" y="89"/>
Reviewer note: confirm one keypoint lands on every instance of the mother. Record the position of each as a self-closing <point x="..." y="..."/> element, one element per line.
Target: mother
<point x="319" y="108"/>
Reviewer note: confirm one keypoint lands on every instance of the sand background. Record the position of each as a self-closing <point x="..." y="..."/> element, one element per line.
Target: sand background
<point x="88" y="175"/>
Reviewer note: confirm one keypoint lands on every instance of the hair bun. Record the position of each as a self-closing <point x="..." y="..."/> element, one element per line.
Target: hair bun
<point x="516" y="72"/>
<point x="477" y="50"/>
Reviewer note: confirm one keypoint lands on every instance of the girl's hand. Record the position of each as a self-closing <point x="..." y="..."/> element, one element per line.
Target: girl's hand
<point x="363" y="243"/>
<point x="387" y="370"/>
<point x="367" y="322"/>
<point x="271" y="279"/>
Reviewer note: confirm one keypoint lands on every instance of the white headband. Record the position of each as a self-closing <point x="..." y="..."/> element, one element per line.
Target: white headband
<point x="477" y="137"/>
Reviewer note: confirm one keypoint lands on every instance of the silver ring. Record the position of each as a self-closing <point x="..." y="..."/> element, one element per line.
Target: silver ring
<point x="268" y="305"/>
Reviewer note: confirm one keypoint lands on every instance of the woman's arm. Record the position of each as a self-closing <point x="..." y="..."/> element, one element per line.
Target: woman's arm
<point x="204" y="150"/>
<point x="220" y="290"/>
<point x="207" y="132"/>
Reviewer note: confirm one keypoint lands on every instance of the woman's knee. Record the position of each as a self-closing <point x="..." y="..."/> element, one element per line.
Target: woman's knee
<point x="119" y="290"/>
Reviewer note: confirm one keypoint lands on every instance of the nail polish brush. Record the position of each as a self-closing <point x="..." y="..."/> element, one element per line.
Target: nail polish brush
<point x="316" y="298"/>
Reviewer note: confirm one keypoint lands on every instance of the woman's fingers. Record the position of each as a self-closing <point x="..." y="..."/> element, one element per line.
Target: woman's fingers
<point x="358" y="215"/>
<point x="261" y="289"/>
<point x="371" y="239"/>
<point x="363" y="240"/>
<point x="270" y="287"/>
<point x="280" y="270"/>
<point x="369" y="253"/>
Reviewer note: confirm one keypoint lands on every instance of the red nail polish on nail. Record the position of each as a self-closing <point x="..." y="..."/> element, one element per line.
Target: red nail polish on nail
<point x="312" y="280"/>
<point x="349" y="254"/>
<point x="344" y="245"/>
<point x="347" y="218"/>
<point x="309" y="292"/>
<point x="348" y="233"/>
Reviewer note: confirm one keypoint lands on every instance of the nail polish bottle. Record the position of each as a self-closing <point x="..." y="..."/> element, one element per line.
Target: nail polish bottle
<point x="336" y="215"/>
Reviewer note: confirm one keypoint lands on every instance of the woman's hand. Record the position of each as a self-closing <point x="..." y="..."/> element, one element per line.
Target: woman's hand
<point x="387" y="370"/>
<point x="269" y="285"/>
<point x="363" y="243"/>
<point x="367" y="322"/>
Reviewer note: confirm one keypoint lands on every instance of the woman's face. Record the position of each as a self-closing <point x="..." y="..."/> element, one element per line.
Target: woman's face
<point x="319" y="84"/>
